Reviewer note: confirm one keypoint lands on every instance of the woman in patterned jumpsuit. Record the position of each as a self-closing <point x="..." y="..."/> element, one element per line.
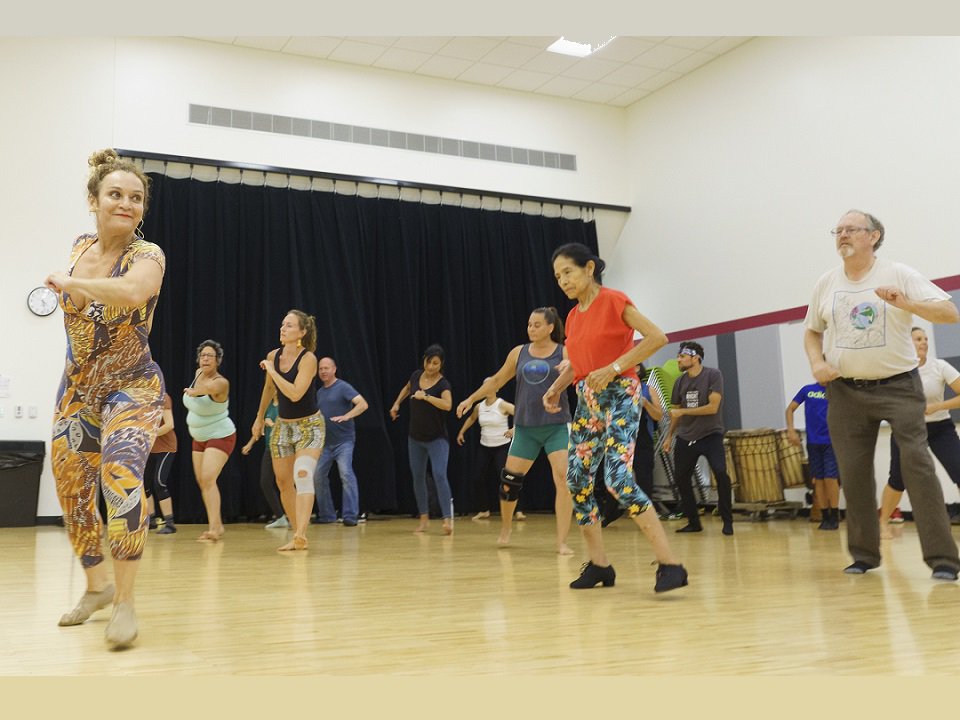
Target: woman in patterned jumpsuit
<point x="110" y="401"/>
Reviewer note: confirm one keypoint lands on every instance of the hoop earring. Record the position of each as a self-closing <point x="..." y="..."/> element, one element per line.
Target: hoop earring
<point x="138" y="231"/>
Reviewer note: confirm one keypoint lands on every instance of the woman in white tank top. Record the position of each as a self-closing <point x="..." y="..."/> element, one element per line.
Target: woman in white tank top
<point x="495" y="435"/>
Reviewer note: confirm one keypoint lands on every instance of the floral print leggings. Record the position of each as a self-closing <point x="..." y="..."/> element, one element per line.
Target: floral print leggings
<point x="605" y="428"/>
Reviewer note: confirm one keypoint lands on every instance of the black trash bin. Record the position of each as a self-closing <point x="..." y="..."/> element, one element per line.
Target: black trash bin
<point x="21" y="462"/>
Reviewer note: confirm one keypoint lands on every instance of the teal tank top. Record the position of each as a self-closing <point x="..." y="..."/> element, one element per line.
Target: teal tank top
<point x="206" y="418"/>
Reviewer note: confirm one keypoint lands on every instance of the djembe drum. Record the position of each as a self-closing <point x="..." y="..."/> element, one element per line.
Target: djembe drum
<point x="755" y="460"/>
<point x="791" y="461"/>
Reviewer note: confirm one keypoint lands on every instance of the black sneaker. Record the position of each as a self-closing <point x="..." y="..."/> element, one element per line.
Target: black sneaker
<point x="942" y="572"/>
<point x="167" y="529"/>
<point x="349" y="523"/>
<point x="591" y="574"/>
<point x="691" y="528"/>
<point x="670" y="577"/>
<point x="860" y="567"/>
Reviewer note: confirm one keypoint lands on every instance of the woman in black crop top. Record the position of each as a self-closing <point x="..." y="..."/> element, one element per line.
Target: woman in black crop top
<point x="430" y="400"/>
<point x="297" y="438"/>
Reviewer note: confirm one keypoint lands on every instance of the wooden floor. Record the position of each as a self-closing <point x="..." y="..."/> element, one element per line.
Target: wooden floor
<point x="377" y="599"/>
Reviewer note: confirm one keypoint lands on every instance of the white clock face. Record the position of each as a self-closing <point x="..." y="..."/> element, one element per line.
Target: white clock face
<point x="42" y="301"/>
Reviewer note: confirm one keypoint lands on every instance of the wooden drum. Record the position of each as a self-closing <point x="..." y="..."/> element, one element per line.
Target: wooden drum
<point x="755" y="460"/>
<point x="791" y="461"/>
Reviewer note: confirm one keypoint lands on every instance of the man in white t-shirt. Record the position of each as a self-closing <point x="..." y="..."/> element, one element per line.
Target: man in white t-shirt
<point x="858" y="343"/>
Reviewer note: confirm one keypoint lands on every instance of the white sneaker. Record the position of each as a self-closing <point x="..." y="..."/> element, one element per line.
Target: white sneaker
<point x="280" y="523"/>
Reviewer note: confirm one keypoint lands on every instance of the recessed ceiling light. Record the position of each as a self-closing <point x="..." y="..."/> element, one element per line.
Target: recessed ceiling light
<point x="577" y="49"/>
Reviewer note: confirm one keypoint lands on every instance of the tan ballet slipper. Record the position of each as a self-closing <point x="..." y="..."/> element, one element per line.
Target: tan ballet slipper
<point x="89" y="603"/>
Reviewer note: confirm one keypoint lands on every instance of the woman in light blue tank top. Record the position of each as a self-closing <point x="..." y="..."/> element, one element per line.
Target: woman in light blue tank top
<point x="212" y="430"/>
<point x="534" y="366"/>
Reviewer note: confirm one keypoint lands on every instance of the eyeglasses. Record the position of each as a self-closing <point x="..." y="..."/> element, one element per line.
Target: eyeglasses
<point x="848" y="230"/>
<point x="208" y="355"/>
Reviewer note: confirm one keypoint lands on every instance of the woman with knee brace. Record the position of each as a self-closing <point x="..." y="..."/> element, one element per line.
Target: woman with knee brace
<point x="296" y="441"/>
<point x="431" y="399"/>
<point x="214" y="435"/>
<point x="535" y="367"/>
<point x="935" y="374"/>
<point x="602" y="364"/>
<point x="110" y="400"/>
<point x="156" y="475"/>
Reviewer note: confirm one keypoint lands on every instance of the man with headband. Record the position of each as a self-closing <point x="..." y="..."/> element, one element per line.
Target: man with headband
<point x="696" y="420"/>
<point x="857" y="340"/>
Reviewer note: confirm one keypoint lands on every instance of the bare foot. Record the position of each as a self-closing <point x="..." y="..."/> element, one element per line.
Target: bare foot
<point x="421" y="528"/>
<point x="519" y="516"/>
<point x="504" y="538"/>
<point x="300" y="542"/>
<point x="885" y="533"/>
<point x="287" y="547"/>
<point x="448" y="527"/>
<point x="481" y="515"/>
<point x="564" y="549"/>
<point x="210" y="535"/>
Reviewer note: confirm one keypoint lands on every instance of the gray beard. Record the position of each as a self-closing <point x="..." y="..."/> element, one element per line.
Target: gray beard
<point x="845" y="251"/>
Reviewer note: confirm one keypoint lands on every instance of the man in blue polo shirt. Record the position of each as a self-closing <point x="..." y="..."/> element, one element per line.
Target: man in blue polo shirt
<point x="823" y="463"/>
<point x="340" y="403"/>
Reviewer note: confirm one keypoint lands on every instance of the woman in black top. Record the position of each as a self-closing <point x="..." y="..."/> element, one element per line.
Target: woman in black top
<point x="430" y="400"/>
<point x="297" y="438"/>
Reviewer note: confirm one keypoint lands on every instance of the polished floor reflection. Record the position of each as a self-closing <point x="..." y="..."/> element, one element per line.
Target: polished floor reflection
<point x="378" y="599"/>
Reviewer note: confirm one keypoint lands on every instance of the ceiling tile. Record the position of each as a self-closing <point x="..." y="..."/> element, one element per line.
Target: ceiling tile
<point x="228" y="39"/>
<point x="358" y="53"/>
<point x="624" y="49"/>
<point x="599" y="93"/>
<point x="725" y="44"/>
<point x="662" y="56"/>
<point x="630" y="75"/>
<point x="524" y="80"/>
<point x="403" y="60"/>
<point x="484" y="73"/>
<point x="272" y="42"/>
<point x="659" y="80"/>
<point x="373" y="40"/>
<point x="468" y="48"/>
<point x="444" y="67"/>
<point x="691" y="43"/>
<point x="590" y="68"/>
<point x="422" y="44"/>
<point x="550" y="62"/>
<point x="542" y="42"/>
<point x="511" y="55"/>
<point x="319" y="47"/>
<point x="692" y="63"/>
<point x="562" y="86"/>
<point x="628" y="98"/>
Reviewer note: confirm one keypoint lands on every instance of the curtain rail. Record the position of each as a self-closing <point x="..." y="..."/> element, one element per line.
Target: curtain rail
<point x="362" y="179"/>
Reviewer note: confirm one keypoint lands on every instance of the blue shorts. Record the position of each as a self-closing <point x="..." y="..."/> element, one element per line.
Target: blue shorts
<point x="823" y="463"/>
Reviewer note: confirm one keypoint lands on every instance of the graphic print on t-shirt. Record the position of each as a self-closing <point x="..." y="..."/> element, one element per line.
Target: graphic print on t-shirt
<point x="692" y="399"/>
<point x="535" y="371"/>
<point x="859" y="319"/>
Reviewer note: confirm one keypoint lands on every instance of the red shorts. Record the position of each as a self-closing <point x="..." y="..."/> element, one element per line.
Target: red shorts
<point x="224" y="445"/>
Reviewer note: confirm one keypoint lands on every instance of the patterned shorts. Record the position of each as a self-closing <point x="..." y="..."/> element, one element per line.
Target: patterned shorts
<point x="291" y="436"/>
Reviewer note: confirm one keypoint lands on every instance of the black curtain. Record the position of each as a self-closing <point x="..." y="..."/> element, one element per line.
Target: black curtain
<point x="384" y="278"/>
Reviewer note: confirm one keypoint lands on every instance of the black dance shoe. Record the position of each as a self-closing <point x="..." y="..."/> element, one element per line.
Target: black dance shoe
<point x="591" y="574"/>
<point x="670" y="577"/>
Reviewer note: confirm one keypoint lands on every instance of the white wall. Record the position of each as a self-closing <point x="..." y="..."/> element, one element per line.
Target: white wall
<point x="158" y="79"/>
<point x="738" y="171"/>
